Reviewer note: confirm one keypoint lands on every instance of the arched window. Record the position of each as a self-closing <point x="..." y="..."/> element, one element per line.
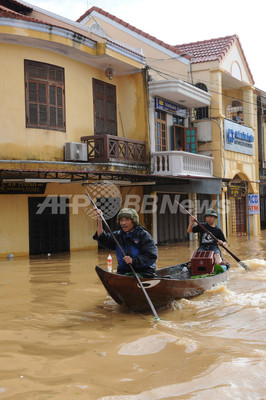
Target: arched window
<point x="201" y="86"/>
<point x="233" y="108"/>
<point x="202" y="112"/>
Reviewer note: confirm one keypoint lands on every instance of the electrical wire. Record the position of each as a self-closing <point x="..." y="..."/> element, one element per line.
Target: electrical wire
<point x="166" y="74"/>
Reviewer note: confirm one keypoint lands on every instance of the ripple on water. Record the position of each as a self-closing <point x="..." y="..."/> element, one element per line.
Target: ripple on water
<point x="154" y="344"/>
<point x="256" y="263"/>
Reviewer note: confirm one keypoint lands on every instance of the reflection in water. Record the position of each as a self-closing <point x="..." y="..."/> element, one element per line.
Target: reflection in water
<point x="63" y="338"/>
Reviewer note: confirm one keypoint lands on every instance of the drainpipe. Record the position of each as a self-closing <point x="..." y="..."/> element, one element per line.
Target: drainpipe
<point x="226" y="225"/>
<point x="218" y="212"/>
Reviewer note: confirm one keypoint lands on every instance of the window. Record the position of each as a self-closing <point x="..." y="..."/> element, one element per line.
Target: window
<point x="233" y="108"/>
<point x="45" y="96"/>
<point x="160" y="131"/>
<point x="185" y="139"/>
<point x="179" y="120"/>
<point x="190" y="140"/>
<point x="104" y="99"/>
<point x="202" y="112"/>
<point x="178" y="125"/>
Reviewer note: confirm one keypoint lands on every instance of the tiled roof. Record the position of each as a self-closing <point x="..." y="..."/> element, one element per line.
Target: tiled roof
<point x="210" y="50"/>
<point x="10" y="13"/>
<point x="132" y="28"/>
<point x="7" y="13"/>
<point x="15" y="5"/>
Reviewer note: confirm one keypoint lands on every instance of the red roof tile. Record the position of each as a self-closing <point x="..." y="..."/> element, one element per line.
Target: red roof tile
<point x="15" y="5"/>
<point x="133" y="28"/>
<point x="210" y="50"/>
<point x="7" y="13"/>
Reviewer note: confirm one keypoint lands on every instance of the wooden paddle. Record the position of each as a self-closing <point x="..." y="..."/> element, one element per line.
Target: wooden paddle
<point x="157" y="318"/>
<point x="241" y="263"/>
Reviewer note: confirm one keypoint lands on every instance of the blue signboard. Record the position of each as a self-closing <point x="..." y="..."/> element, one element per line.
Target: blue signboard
<point x="238" y="138"/>
<point x="253" y="204"/>
<point x="171" y="108"/>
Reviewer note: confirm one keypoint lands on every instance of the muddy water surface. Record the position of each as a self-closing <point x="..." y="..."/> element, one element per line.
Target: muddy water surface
<point x="63" y="338"/>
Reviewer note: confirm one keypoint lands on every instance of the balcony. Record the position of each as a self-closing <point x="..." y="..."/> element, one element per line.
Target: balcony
<point x="181" y="163"/>
<point x="109" y="148"/>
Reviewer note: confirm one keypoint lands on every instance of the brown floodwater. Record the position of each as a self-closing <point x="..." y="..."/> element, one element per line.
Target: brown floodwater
<point x="63" y="338"/>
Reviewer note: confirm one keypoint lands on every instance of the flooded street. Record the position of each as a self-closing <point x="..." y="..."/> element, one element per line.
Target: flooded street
<point x="63" y="338"/>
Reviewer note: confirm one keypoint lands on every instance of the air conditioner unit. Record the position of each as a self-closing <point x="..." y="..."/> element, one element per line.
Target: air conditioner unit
<point x="76" y="151"/>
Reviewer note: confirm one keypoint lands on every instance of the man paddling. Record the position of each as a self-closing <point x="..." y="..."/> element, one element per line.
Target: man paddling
<point x="207" y="242"/>
<point x="137" y="244"/>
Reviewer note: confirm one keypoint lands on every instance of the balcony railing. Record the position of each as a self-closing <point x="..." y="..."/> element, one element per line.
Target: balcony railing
<point x="176" y="163"/>
<point x="105" y="148"/>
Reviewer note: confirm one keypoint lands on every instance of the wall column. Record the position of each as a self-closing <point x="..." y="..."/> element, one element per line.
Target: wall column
<point x="217" y="98"/>
<point x="248" y="108"/>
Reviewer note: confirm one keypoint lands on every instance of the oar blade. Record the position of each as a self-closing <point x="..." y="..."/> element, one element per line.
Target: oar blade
<point x="243" y="265"/>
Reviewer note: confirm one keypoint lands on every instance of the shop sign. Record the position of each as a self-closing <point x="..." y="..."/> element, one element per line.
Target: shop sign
<point x="253" y="204"/>
<point x="22" y="187"/>
<point x="238" y="138"/>
<point x="171" y="108"/>
<point x="236" y="192"/>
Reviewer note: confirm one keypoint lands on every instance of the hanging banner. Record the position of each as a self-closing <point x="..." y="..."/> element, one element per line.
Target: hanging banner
<point x="253" y="204"/>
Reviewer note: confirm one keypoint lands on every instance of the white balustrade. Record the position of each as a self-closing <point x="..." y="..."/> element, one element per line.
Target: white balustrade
<point x="182" y="163"/>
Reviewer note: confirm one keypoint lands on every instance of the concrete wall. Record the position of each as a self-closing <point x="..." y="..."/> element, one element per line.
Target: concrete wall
<point x="18" y="142"/>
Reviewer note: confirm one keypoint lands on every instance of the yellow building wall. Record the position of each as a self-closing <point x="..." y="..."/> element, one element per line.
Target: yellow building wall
<point x="132" y="117"/>
<point x="14" y="225"/>
<point x="228" y="164"/>
<point x="14" y="228"/>
<point x="156" y="58"/>
<point x="18" y="142"/>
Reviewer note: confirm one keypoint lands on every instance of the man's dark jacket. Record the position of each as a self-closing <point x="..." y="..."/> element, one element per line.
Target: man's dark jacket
<point x="137" y="244"/>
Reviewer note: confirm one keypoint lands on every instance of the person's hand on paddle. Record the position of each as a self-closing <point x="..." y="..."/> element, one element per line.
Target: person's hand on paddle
<point x="221" y="243"/>
<point x="190" y="226"/>
<point x="98" y="213"/>
<point x="128" y="259"/>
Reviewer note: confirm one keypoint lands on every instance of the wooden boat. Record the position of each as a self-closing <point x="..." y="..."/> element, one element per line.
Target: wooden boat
<point x="171" y="283"/>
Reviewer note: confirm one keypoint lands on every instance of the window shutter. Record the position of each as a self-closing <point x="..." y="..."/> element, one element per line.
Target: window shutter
<point x="104" y="100"/>
<point x="43" y="115"/>
<point x="53" y="116"/>
<point x="32" y="92"/>
<point x="42" y="93"/>
<point x="45" y="98"/>
<point x="33" y="111"/>
<point x="52" y="95"/>
<point x="191" y="141"/>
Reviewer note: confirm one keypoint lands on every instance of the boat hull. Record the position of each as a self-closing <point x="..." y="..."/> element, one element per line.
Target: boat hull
<point x="170" y="284"/>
